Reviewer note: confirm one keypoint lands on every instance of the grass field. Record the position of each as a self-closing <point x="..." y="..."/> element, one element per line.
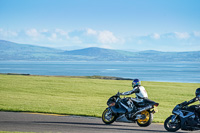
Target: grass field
<point x="14" y="132"/>
<point x="83" y="96"/>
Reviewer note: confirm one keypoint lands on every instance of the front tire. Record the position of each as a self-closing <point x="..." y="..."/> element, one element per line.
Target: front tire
<point x="146" y="121"/>
<point x="108" y="117"/>
<point x="172" y="126"/>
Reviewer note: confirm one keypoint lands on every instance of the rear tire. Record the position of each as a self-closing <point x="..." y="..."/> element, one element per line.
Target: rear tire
<point x="108" y="117"/>
<point x="172" y="127"/>
<point x="147" y="120"/>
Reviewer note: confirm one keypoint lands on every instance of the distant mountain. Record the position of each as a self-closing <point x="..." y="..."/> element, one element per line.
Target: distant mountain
<point x="15" y="47"/>
<point x="99" y="53"/>
<point x="92" y="51"/>
<point x="15" y="51"/>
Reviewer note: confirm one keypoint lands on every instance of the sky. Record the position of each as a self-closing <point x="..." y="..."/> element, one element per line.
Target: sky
<point x="163" y="25"/>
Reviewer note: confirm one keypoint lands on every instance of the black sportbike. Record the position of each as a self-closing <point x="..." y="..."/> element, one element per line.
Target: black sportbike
<point x="184" y="117"/>
<point x="134" y="110"/>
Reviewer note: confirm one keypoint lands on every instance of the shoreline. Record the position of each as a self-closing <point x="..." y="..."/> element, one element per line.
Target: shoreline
<point x="89" y="77"/>
<point x="92" y="77"/>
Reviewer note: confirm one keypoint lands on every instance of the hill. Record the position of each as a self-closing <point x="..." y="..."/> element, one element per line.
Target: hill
<point x="100" y="54"/>
<point x="15" y="51"/>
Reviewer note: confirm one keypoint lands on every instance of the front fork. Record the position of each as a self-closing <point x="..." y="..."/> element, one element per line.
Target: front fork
<point x="173" y="119"/>
<point x="109" y="111"/>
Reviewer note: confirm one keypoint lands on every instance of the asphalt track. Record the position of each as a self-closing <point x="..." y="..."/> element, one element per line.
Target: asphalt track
<point x="26" y="122"/>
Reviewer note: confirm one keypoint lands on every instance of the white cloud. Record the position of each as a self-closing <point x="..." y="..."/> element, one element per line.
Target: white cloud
<point x="44" y="31"/>
<point x="62" y="33"/>
<point x="13" y="33"/>
<point x="1" y="32"/>
<point x="8" y="33"/>
<point x="107" y="37"/>
<point x="140" y="41"/>
<point x="91" y="32"/>
<point x="32" y="33"/>
<point x="156" y="36"/>
<point x="197" y="33"/>
<point x="46" y="34"/>
<point x="182" y="35"/>
<point x="103" y="37"/>
<point x="53" y="37"/>
<point x="76" y="40"/>
<point x="106" y="46"/>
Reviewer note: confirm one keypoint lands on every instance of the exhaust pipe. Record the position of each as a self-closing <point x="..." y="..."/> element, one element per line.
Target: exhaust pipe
<point x="143" y="109"/>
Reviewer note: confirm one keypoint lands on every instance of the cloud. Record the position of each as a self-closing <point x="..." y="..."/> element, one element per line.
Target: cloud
<point x="91" y="32"/>
<point x="156" y="36"/>
<point x="62" y="33"/>
<point x="33" y="33"/>
<point x="44" y="31"/>
<point x="46" y="34"/>
<point x="89" y="37"/>
<point x="196" y="33"/>
<point x="182" y="35"/>
<point x="53" y="37"/>
<point x="76" y="40"/>
<point x="58" y="36"/>
<point x="106" y="46"/>
<point x="8" y="33"/>
<point x="12" y="33"/>
<point x="140" y="42"/>
<point x="103" y="37"/>
<point x="107" y="37"/>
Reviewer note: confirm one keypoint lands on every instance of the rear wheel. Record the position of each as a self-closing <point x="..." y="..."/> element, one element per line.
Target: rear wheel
<point x="146" y="119"/>
<point x="108" y="117"/>
<point x="172" y="126"/>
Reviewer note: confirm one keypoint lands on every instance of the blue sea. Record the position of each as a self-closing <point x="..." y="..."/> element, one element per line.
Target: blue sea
<point x="186" y="72"/>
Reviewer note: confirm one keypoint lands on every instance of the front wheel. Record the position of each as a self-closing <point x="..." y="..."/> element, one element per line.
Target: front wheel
<point x="172" y="126"/>
<point x="146" y="119"/>
<point x="108" y="117"/>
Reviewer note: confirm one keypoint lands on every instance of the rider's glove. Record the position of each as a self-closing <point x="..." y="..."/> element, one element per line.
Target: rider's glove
<point x="119" y="94"/>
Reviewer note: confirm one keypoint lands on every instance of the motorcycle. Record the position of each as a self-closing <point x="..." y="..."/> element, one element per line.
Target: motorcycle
<point x="184" y="117"/>
<point x="134" y="110"/>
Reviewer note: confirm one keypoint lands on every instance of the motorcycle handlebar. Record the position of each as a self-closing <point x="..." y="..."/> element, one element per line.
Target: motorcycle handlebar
<point x="184" y="103"/>
<point x="118" y="94"/>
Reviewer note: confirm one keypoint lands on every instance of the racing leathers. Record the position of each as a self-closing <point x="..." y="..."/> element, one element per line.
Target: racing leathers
<point x="196" y="108"/>
<point x="140" y="93"/>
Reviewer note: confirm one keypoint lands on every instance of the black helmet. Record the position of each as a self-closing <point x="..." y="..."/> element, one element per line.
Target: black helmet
<point x="197" y="92"/>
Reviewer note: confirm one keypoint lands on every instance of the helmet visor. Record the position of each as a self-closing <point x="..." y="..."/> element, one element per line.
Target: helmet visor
<point x="135" y="83"/>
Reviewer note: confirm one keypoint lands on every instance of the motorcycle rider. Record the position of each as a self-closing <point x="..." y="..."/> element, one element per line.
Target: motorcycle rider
<point x="196" y="108"/>
<point x="139" y="91"/>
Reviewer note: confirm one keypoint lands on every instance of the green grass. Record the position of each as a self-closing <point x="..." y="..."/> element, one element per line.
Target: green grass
<point x="14" y="132"/>
<point x="82" y="96"/>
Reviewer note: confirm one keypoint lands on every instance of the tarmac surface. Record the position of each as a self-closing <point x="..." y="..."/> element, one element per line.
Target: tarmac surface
<point x="33" y="122"/>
